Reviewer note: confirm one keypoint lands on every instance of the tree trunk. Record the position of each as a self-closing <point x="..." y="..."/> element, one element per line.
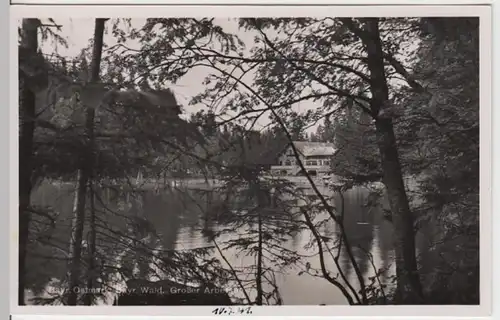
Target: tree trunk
<point x="258" y="280"/>
<point x="29" y="45"/>
<point x="92" y="270"/>
<point x="409" y="286"/>
<point x="84" y="173"/>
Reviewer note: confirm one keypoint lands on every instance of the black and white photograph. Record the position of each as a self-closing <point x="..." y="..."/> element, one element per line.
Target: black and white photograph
<point x="249" y="161"/>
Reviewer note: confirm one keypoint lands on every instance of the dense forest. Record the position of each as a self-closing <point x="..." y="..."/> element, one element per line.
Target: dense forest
<point x="398" y="97"/>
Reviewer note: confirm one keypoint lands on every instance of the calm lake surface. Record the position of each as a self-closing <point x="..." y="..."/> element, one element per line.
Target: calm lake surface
<point x="367" y="231"/>
<point x="179" y="220"/>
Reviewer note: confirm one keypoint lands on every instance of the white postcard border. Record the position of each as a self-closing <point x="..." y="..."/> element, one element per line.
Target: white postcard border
<point x="233" y="11"/>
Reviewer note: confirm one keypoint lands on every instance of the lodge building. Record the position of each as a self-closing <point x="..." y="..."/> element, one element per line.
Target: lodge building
<point x="315" y="156"/>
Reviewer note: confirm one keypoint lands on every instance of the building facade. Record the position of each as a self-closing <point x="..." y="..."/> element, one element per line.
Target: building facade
<point x="315" y="156"/>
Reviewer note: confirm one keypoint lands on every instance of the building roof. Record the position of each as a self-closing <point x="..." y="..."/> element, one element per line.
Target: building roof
<point x="310" y="149"/>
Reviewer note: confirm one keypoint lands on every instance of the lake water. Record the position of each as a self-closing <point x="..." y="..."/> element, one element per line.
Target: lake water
<point x="179" y="219"/>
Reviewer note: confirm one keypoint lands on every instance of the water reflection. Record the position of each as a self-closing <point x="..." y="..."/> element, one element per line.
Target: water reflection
<point x="358" y="225"/>
<point x="185" y="220"/>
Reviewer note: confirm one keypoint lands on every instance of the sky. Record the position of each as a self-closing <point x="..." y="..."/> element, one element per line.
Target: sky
<point x="79" y="32"/>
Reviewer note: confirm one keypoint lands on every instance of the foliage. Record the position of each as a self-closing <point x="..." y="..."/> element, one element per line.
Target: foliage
<point x="262" y="210"/>
<point x="448" y="140"/>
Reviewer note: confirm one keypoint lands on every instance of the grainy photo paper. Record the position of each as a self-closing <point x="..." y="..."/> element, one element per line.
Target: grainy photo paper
<point x="251" y="160"/>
